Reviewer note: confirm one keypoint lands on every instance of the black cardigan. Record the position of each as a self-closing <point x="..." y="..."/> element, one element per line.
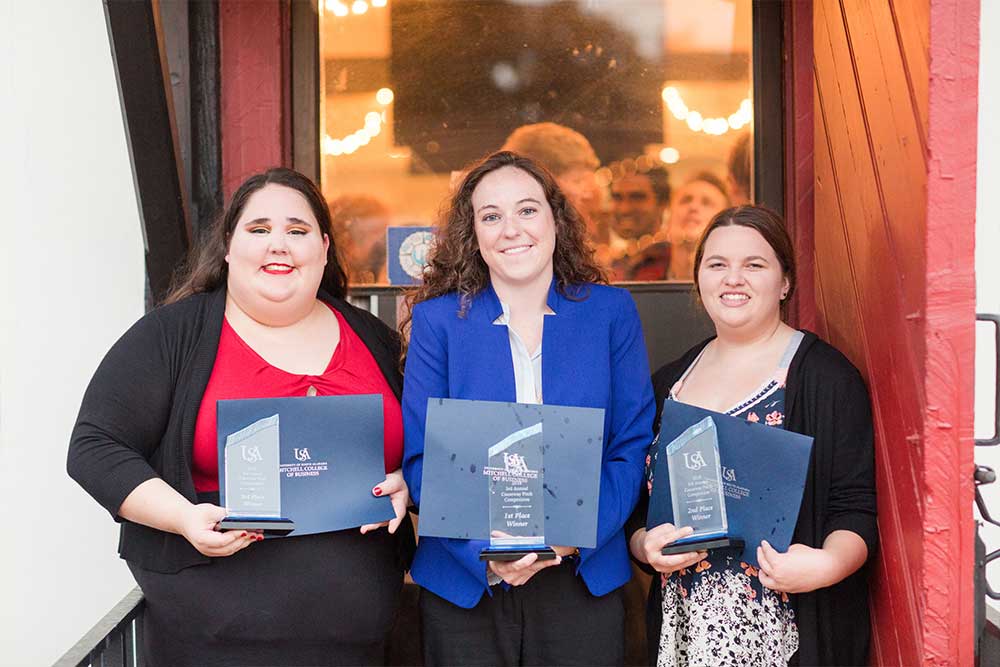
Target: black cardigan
<point x="826" y="398"/>
<point x="138" y="414"/>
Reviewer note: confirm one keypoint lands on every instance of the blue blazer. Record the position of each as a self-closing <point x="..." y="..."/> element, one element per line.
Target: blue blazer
<point x="593" y="355"/>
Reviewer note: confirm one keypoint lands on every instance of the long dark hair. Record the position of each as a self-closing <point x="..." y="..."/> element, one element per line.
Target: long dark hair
<point x="455" y="265"/>
<point x="207" y="269"/>
<point x="768" y="224"/>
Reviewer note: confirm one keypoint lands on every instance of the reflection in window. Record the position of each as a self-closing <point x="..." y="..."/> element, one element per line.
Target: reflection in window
<point x="641" y="109"/>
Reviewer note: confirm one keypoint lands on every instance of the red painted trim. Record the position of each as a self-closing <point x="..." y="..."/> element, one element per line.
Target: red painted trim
<point x="254" y="84"/>
<point x="895" y="150"/>
<point x="799" y="171"/>
<point x="949" y="559"/>
<point x="286" y="84"/>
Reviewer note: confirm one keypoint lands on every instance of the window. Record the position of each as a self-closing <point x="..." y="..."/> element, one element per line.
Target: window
<point x="641" y="108"/>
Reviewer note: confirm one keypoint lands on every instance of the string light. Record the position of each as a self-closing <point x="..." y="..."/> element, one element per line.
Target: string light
<point x="640" y="164"/>
<point x="670" y="155"/>
<point x="337" y="7"/>
<point x="698" y="123"/>
<point x="340" y="8"/>
<point x="355" y="140"/>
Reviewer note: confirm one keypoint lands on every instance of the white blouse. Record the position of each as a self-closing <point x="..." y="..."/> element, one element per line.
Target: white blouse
<point x="527" y="366"/>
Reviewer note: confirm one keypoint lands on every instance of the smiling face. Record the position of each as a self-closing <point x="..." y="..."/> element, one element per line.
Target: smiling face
<point x="515" y="229"/>
<point x="277" y="254"/>
<point x="692" y="209"/>
<point x="637" y="211"/>
<point x="740" y="280"/>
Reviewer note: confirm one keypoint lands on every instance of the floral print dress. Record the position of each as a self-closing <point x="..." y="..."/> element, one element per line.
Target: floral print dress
<point x="717" y="612"/>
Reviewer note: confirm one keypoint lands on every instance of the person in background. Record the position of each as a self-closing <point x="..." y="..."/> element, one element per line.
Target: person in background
<point x="361" y="220"/>
<point x="691" y="209"/>
<point x="259" y="312"/>
<point x="571" y="159"/>
<point x="738" y="180"/>
<point x="638" y="240"/>
<point x="513" y="308"/>
<point x="809" y="604"/>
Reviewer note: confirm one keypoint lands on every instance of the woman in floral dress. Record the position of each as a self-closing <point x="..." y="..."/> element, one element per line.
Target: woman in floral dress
<point x="807" y="605"/>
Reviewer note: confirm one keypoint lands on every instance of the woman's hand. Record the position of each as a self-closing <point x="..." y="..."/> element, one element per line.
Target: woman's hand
<point x="156" y="504"/>
<point x="197" y="526"/>
<point x="395" y="487"/>
<point x="518" y="572"/>
<point x="646" y="546"/>
<point x="802" y="569"/>
<point x="799" y="570"/>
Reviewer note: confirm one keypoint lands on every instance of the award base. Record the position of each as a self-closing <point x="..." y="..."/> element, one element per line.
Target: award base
<point x="707" y="544"/>
<point x="268" y="525"/>
<point x="516" y="553"/>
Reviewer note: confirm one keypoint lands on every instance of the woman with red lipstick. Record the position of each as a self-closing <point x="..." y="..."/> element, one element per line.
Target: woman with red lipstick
<point x="809" y="605"/>
<point x="260" y="312"/>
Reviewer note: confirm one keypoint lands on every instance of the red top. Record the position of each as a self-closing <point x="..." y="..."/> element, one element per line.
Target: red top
<point x="239" y="372"/>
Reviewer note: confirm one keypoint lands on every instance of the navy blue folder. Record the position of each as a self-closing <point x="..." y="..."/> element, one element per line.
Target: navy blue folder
<point x="763" y="475"/>
<point x="455" y="493"/>
<point x="331" y="452"/>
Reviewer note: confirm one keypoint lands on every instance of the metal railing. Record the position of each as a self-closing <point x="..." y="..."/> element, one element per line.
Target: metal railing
<point x="987" y="619"/>
<point x="116" y="639"/>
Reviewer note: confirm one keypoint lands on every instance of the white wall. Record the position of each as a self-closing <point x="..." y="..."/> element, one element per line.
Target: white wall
<point x="988" y="257"/>
<point x="71" y="279"/>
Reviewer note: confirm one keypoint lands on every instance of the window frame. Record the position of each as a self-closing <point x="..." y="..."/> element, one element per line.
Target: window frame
<point x="768" y="27"/>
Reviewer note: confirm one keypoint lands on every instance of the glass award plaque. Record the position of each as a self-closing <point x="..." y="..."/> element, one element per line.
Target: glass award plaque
<point x="252" y="495"/>
<point x="517" y="503"/>
<point x="696" y="492"/>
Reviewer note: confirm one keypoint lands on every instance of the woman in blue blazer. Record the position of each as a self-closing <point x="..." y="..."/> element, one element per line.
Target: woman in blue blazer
<point x="513" y="308"/>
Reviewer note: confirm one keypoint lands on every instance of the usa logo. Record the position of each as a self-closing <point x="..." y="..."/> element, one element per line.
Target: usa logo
<point x="514" y="464"/>
<point x="251" y="454"/>
<point x="694" y="461"/>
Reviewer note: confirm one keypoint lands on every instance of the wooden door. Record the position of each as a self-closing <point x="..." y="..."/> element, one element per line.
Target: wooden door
<point x="892" y="150"/>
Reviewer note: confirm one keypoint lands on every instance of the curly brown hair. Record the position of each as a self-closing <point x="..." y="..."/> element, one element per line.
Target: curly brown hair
<point x="455" y="265"/>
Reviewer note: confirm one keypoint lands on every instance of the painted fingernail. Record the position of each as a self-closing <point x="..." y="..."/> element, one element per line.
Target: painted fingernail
<point x="244" y="534"/>
<point x="377" y="491"/>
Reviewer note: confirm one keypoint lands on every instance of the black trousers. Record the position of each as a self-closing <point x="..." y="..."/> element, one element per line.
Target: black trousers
<point x="551" y="620"/>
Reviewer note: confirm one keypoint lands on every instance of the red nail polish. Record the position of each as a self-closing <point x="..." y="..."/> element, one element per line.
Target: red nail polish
<point x="244" y="534"/>
<point x="377" y="491"/>
<point x="260" y="538"/>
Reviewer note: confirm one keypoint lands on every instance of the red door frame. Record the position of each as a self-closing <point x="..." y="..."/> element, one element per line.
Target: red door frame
<point x="798" y="90"/>
<point x="254" y="41"/>
<point x="255" y="88"/>
<point x="950" y="335"/>
<point x="944" y="580"/>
